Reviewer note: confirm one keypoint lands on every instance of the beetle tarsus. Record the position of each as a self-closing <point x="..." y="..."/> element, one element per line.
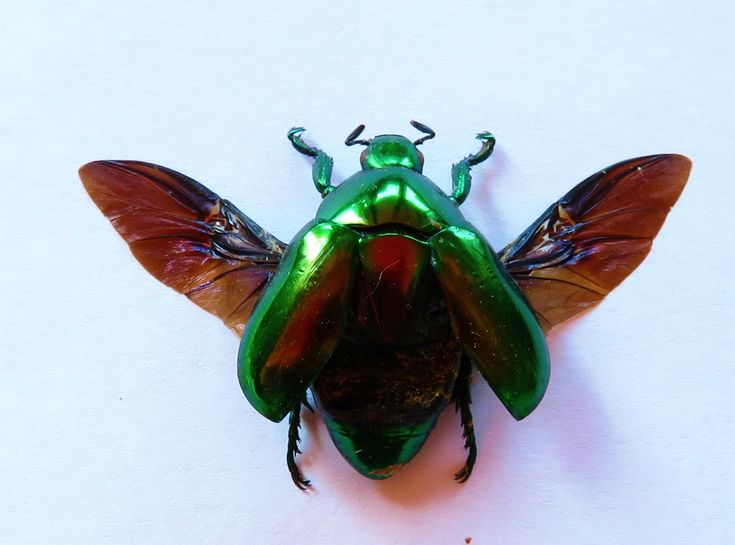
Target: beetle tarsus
<point x="294" y="136"/>
<point x="462" y="400"/>
<point x="294" y="422"/>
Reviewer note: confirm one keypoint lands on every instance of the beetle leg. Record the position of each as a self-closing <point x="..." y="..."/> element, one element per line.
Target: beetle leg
<point x="461" y="178"/>
<point x="462" y="399"/>
<point x="321" y="172"/>
<point x="294" y="423"/>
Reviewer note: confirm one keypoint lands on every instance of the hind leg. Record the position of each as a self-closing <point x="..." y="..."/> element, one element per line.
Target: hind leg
<point x="461" y="398"/>
<point x="294" y="422"/>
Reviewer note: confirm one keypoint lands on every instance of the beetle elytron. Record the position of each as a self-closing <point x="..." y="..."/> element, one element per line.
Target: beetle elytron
<point x="384" y="302"/>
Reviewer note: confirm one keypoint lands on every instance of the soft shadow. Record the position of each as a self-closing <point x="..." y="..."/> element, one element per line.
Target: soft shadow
<point x="483" y="198"/>
<point x="577" y="418"/>
<point x="493" y="169"/>
<point x="573" y="421"/>
<point x="430" y="475"/>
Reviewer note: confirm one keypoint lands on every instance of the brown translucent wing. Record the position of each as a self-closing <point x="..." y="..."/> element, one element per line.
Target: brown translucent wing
<point x="186" y="236"/>
<point x="589" y="241"/>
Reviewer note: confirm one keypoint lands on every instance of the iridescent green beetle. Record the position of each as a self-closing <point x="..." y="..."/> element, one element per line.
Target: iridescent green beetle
<point x="384" y="302"/>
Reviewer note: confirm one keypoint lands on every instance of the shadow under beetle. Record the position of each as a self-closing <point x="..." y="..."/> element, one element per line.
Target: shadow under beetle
<point x="384" y="302"/>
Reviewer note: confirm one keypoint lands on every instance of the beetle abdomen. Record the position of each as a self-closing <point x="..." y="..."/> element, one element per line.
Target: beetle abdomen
<point x="393" y="373"/>
<point x="380" y="402"/>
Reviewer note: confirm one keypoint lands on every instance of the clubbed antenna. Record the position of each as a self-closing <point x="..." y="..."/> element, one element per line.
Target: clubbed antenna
<point x="351" y="140"/>
<point x="424" y="129"/>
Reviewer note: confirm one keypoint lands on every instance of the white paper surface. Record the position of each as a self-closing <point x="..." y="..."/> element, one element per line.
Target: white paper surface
<point x="121" y="421"/>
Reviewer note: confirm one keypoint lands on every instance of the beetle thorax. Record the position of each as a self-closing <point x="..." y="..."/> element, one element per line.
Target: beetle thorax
<point x="389" y="197"/>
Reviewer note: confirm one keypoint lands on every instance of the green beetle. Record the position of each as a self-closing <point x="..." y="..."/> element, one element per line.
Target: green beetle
<point x="384" y="302"/>
<point x="380" y="304"/>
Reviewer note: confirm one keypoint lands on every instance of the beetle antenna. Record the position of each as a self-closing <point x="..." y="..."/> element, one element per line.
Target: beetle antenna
<point x="351" y="140"/>
<point x="424" y="129"/>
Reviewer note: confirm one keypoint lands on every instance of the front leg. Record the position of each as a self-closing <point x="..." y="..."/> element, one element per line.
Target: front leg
<point x="321" y="172"/>
<point x="461" y="178"/>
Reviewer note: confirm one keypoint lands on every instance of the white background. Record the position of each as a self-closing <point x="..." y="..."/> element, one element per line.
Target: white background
<point x="121" y="421"/>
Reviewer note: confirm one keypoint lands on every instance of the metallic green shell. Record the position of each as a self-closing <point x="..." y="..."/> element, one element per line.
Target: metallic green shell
<point x="299" y="319"/>
<point x="391" y="196"/>
<point x="372" y="306"/>
<point x="491" y="319"/>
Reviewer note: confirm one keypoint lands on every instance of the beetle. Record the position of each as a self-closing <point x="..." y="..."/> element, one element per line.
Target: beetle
<point x="384" y="303"/>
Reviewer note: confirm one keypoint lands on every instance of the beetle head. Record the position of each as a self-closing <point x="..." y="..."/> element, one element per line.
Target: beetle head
<point x="391" y="150"/>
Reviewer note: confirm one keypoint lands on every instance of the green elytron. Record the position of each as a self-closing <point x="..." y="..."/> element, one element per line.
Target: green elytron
<point x="385" y="301"/>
